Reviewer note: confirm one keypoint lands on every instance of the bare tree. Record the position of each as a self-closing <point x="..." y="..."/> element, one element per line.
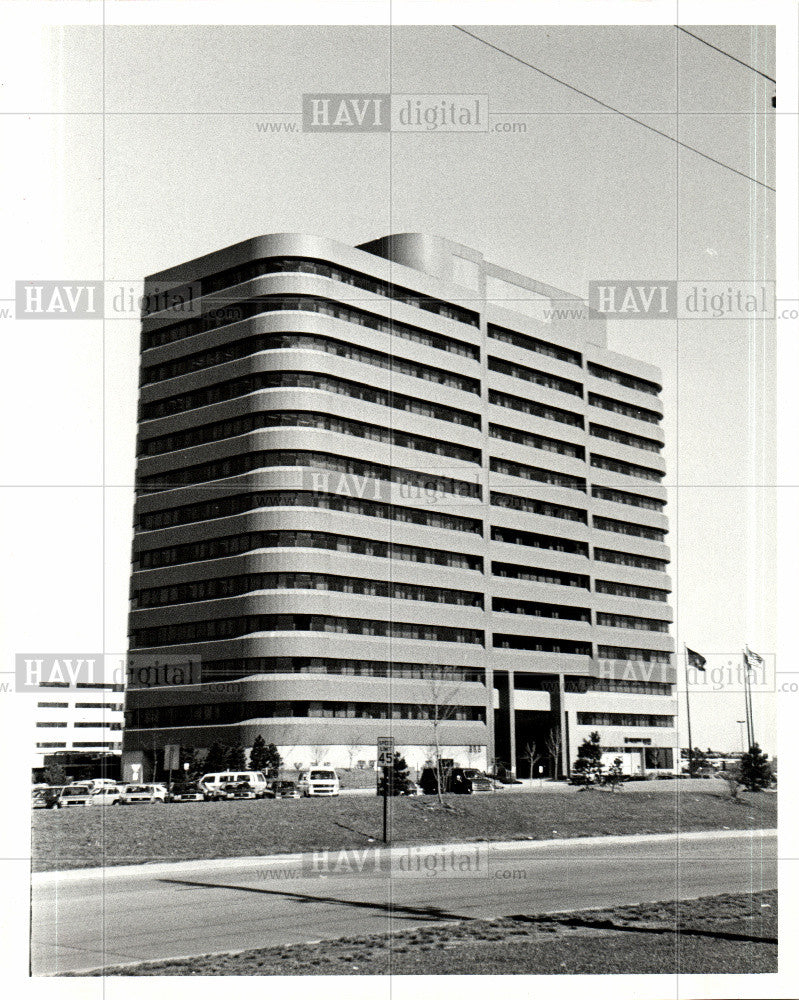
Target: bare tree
<point x="532" y="755"/>
<point x="318" y="755"/>
<point x="554" y="746"/>
<point x="441" y="694"/>
<point x="353" y="749"/>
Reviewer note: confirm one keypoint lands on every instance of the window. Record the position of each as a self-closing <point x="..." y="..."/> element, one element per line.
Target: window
<point x="247" y="666"/>
<point x="630" y="559"/>
<point x="538" y="475"/>
<point x="581" y="685"/>
<point x="630" y="590"/>
<point x="626" y="468"/>
<point x="564" y="646"/>
<point x="622" y="719"/>
<point x="241" y="502"/>
<point x="220" y="587"/>
<point x="246" y="384"/>
<point x="230" y="545"/>
<point x="659" y="758"/>
<point x="237" y="465"/>
<point x="513" y="536"/>
<point x="633" y="654"/>
<point x="217" y="317"/>
<point x="534" y="344"/>
<point x="193" y="715"/>
<point x="224" y="429"/>
<point x="534" y="408"/>
<point x="622" y="378"/>
<point x="308" y="341"/>
<point x="230" y="628"/>
<point x="631" y="621"/>
<point x="535" y="376"/>
<point x="511" y="605"/>
<point x="536" y="575"/>
<point x="626" y="409"/>
<point x="622" y="437"/>
<point x="628" y="528"/>
<point x="630" y="499"/>
<point x="532" y="506"/>
<point x="536" y="441"/>
<point x="310" y="265"/>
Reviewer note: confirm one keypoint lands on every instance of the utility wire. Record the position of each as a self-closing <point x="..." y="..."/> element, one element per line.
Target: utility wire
<point x="610" y="107"/>
<point x="727" y="54"/>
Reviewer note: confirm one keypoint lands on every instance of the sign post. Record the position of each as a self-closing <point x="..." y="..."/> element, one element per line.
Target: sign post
<point x="385" y="760"/>
<point x="171" y="760"/>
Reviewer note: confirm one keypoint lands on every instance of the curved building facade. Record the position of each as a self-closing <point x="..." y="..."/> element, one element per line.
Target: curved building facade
<point x="373" y="499"/>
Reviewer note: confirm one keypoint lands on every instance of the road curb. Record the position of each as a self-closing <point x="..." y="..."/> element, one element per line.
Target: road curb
<point x="145" y="870"/>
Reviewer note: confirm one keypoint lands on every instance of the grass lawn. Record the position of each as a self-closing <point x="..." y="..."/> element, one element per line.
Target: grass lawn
<point x="716" y="934"/>
<point x="115" y="835"/>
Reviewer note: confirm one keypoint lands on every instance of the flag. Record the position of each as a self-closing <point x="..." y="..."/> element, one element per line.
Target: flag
<point x="695" y="659"/>
<point x="752" y="658"/>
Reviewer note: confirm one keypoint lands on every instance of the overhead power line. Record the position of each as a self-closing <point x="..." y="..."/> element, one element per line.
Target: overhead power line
<point x="610" y="107"/>
<point x="704" y="41"/>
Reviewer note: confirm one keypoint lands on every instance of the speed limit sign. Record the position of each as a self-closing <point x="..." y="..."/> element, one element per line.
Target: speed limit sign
<point x="385" y="750"/>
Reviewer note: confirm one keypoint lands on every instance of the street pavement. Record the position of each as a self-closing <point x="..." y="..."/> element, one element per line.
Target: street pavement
<point x="83" y="920"/>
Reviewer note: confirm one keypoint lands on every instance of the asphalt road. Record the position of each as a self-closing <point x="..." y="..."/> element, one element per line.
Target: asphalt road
<point x="83" y="920"/>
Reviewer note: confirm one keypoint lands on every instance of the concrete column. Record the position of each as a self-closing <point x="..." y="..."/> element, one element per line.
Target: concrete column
<point x="491" y="741"/>
<point x="564" y="748"/>
<point x="512" y="721"/>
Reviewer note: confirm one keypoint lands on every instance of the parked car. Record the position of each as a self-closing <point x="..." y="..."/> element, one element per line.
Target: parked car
<point x="213" y="783"/>
<point x="480" y="781"/>
<point x="283" y="790"/>
<point x="185" y="791"/>
<point x="239" y="790"/>
<point x="458" y="783"/>
<point x="319" y="781"/>
<point x="45" y="796"/>
<point x="408" y="787"/>
<point x="80" y="794"/>
<point x="134" y="794"/>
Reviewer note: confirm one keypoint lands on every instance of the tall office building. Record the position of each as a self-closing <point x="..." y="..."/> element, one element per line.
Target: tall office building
<point x="396" y="490"/>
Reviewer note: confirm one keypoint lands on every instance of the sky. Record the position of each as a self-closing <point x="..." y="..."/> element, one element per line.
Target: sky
<point x="177" y="167"/>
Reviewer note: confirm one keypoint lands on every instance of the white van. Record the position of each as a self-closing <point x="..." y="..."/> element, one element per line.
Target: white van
<point x="319" y="781"/>
<point x="213" y="784"/>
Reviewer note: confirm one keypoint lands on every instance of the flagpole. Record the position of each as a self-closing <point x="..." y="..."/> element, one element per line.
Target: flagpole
<point x="747" y="704"/>
<point x="688" y="715"/>
<point x="751" y="709"/>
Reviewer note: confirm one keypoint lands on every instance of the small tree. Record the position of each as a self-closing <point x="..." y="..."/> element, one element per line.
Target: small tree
<point x="216" y="758"/>
<point x="532" y="756"/>
<point x="553" y="744"/>
<point x="613" y="775"/>
<point x="192" y="757"/>
<point x="397" y="777"/>
<point x="755" y="770"/>
<point x="589" y="759"/>
<point x="732" y="775"/>
<point x="697" y="761"/>
<point x="258" y="754"/>
<point x="272" y="761"/>
<point x="236" y="759"/>
<point x="55" y="775"/>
